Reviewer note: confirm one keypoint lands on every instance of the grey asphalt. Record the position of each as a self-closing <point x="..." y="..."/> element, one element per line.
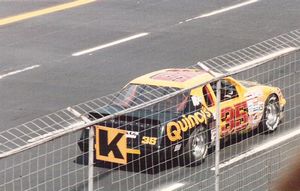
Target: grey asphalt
<point x="63" y="80"/>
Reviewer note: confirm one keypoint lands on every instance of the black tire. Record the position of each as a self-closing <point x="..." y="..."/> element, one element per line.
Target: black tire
<point x="271" y="116"/>
<point x="83" y="142"/>
<point x="196" y="148"/>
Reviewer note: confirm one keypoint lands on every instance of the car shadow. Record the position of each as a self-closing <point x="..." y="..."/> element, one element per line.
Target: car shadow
<point x="145" y="165"/>
<point x="150" y="165"/>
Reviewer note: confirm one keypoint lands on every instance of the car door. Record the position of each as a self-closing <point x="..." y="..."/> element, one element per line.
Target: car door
<point x="234" y="112"/>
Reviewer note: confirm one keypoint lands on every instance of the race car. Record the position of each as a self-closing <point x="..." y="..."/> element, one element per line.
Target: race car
<point x="184" y="124"/>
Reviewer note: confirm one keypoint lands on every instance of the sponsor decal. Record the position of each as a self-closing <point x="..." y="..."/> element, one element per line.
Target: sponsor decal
<point x="149" y="140"/>
<point x="254" y="94"/>
<point x="177" y="147"/>
<point x="234" y="118"/>
<point x="255" y="106"/>
<point x="196" y="100"/>
<point x="213" y="135"/>
<point x="111" y="145"/>
<point x="132" y="134"/>
<point x="175" y="129"/>
<point x="208" y="114"/>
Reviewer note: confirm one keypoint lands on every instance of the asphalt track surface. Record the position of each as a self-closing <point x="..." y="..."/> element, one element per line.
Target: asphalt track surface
<point x="62" y="80"/>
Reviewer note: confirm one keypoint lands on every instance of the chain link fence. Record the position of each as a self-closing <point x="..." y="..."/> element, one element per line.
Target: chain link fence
<point x="159" y="132"/>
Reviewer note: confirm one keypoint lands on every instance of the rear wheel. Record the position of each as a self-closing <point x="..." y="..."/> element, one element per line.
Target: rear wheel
<point x="271" y="116"/>
<point x="196" y="149"/>
<point x="83" y="142"/>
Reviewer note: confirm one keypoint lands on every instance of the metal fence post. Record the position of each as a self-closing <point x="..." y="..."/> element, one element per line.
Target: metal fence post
<point x="91" y="159"/>
<point x="217" y="151"/>
<point x="86" y="120"/>
<point x="218" y="122"/>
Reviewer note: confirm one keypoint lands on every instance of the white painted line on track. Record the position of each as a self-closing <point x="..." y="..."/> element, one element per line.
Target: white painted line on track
<point x="260" y="148"/>
<point x="18" y="71"/>
<point x="173" y="187"/>
<point x="263" y="59"/>
<point x="221" y="10"/>
<point x="87" y="51"/>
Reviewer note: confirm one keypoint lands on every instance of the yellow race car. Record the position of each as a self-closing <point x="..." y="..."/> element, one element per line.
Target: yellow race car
<point x="184" y="124"/>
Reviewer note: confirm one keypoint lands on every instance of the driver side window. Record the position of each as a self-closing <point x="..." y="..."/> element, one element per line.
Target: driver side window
<point x="228" y="90"/>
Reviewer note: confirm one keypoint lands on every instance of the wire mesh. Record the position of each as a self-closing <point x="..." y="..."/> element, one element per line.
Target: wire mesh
<point x="161" y="146"/>
<point x="55" y="165"/>
<point x="255" y="161"/>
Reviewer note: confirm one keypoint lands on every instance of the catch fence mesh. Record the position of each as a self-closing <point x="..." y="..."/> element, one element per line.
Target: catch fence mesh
<point x="51" y="152"/>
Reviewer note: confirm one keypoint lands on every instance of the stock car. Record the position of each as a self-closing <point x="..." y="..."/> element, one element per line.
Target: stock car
<point x="183" y="124"/>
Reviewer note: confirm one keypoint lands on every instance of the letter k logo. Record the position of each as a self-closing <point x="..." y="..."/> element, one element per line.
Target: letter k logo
<point x="111" y="145"/>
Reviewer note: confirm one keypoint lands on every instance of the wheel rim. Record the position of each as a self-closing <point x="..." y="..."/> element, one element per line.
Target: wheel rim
<point x="199" y="147"/>
<point x="272" y="116"/>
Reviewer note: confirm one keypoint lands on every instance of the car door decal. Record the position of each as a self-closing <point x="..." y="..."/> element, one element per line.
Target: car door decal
<point x="234" y="118"/>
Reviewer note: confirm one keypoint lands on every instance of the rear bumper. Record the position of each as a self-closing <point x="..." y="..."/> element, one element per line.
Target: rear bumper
<point x="147" y="154"/>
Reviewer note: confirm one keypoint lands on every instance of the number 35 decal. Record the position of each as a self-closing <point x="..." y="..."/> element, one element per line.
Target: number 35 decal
<point x="234" y="118"/>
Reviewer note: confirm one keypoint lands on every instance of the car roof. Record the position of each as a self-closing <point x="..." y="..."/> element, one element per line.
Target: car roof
<point x="174" y="77"/>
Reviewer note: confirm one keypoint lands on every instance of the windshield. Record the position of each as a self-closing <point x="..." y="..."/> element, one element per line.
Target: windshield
<point x="134" y="94"/>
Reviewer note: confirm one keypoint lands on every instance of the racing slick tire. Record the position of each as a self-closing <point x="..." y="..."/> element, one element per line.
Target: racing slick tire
<point x="196" y="148"/>
<point x="271" y="115"/>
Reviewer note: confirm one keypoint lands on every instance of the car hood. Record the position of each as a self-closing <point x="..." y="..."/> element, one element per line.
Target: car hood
<point x="249" y="84"/>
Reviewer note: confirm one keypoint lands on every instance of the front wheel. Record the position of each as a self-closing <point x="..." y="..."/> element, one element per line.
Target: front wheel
<point x="271" y="116"/>
<point x="196" y="149"/>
